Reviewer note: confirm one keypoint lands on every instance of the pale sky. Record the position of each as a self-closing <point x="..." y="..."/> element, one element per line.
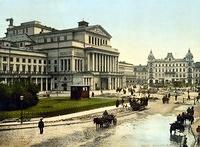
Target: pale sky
<point x="136" y="26"/>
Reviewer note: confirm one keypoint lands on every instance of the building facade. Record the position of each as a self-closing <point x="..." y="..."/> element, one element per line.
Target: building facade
<point x="20" y="64"/>
<point x="170" y="69"/>
<point x="140" y="73"/>
<point x="196" y="73"/>
<point x="127" y="70"/>
<point x="77" y="56"/>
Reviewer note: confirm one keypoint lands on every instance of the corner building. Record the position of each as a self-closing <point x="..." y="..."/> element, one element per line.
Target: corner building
<point x="170" y="69"/>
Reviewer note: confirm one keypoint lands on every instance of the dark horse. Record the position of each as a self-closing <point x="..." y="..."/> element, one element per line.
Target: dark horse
<point x="165" y="99"/>
<point x="98" y="121"/>
<point x="176" y="126"/>
<point x="105" y="121"/>
<point x="188" y="117"/>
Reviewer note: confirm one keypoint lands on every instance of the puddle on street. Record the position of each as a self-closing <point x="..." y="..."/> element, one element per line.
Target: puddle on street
<point x="150" y="131"/>
<point x="146" y="131"/>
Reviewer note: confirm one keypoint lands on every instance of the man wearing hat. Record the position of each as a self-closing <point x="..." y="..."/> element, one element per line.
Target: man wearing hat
<point x="41" y="125"/>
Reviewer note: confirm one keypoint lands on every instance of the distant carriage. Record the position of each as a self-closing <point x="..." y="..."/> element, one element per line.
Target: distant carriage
<point x="139" y="104"/>
<point x="105" y="121"/>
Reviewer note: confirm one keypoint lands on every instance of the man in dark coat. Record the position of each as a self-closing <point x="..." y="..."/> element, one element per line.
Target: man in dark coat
<point x="41" y="125"/>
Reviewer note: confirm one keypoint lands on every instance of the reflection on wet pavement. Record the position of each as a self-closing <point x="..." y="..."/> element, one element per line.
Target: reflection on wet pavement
<point x="149" y="131"/>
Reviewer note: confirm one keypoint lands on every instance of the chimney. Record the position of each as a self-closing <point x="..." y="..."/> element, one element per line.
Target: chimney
<point x="83" y="24"/>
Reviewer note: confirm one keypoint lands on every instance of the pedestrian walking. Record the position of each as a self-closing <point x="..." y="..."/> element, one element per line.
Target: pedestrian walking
<point x="198" y="134"/>
<point x="176" y="97"/>
<point x="117" y="103"/>
<point x="122" y="102"/>
<point x="41" y="125"/>
<point x="188" y="97"/>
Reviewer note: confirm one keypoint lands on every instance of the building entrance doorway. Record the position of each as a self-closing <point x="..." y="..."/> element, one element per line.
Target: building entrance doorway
<point x="104" y="83"/>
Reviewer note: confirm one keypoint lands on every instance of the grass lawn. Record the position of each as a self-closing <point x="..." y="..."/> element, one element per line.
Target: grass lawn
<point x="57" y="106"/>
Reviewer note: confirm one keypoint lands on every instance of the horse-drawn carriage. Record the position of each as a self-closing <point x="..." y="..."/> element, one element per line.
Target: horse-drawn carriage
<point x="138" y="104"/>
<point x="105" y="121"/>
<point x="176" y="126"/>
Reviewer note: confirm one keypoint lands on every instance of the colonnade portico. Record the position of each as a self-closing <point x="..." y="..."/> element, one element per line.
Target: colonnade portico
<point x="102" y="62"/>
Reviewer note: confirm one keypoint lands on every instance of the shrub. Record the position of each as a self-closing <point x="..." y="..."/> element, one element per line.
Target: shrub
<point x="10" y="95"/>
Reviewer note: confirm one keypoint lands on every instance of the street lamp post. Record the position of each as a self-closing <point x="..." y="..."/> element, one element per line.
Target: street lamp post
<point x="21" y="100"/>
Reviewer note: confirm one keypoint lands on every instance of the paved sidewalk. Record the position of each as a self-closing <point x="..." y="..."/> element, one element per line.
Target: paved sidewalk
<point x="58" y="118"/>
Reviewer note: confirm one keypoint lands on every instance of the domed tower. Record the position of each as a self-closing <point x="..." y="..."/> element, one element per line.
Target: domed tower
<point x="151" y="58"/>
<point x="189" y="56"/>
<point x="189" y="60"/>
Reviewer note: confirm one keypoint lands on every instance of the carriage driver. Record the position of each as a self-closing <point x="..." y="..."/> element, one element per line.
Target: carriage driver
<point x="105" y="113"/>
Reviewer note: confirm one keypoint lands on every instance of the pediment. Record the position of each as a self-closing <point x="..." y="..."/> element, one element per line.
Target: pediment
<point x="99" y="30"/>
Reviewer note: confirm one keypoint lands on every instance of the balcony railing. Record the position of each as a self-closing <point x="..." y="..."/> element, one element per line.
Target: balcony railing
<point x="21" y="73"/>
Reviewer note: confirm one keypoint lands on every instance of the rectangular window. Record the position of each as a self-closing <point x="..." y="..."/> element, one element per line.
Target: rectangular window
<point x="55" y="68"/>
<point x="17" y="68"/>
<point x="17" y="59"/>
<point x="23" y="68"/>
<point x="23" y="60"/>
<point x="98" y="41"/>
<point x="34" y="68"/>
<point x="92" y="40"/>
<point x="29" y="60"/>
<point x="4" y="67"/>
<point x="89" y="39"/>
<point x="11" y="67"/>
<point x="34" y="60"/>
<point x="40" y="69"/>
<point x="29" y="68"/>
<point x="55" y="61"/>
<point x="4" y="58"/>
<point x="45" y="69"/>
<point x="45" y="61"/>
<point x="69" y="65"/>
<point x="11" y="59"/>
<point x="40" y="61"/>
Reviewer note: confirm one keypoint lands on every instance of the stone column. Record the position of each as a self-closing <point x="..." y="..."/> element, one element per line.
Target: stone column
<point x="93" y="63"/>
<point x="106" y="63"/>
<point x="100" y="65"/>
<point x="6" y="80"/>
<point x="72" y="64"/>
<point x="46" y="84"/>
<point x="52" y="83"/>
<point x="88" y="62"/>
<point x="36" y="81"/>
<point x="109" y="83"/>
<point x="66" y="64"/>
<point x="96" y="58"/>
<point x="102" y="62"/>
<point x="41" y="84"/>
<point x="115" y="83"/>
<point x="117" y="65"/>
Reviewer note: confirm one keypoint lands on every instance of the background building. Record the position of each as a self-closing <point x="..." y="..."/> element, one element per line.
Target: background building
<point x="170" y="69"/>
<point x="127" y="70"/>
<point x="140" y="73"/>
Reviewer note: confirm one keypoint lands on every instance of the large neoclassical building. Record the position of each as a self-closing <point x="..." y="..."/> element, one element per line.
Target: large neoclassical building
<point x="56" y="59"/>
